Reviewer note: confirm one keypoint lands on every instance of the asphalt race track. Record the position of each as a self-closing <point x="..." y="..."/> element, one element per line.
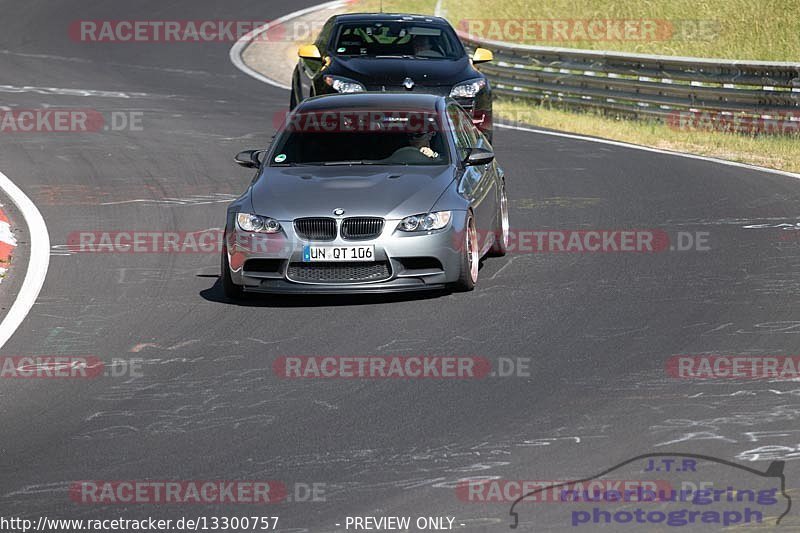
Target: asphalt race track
<point x="598" y="328"/>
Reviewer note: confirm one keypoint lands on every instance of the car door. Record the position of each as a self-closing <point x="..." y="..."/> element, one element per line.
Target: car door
<point x="309" y="69"/>
<point x="493" y="173"/>
<point x="477" y="183"/>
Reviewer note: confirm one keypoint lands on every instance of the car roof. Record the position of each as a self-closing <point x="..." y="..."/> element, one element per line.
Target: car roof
<point x="389" y="17"/>
<point x="370" y="100"/>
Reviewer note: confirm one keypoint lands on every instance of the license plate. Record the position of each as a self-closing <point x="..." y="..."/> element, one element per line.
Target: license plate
<point x="338" y="253"/>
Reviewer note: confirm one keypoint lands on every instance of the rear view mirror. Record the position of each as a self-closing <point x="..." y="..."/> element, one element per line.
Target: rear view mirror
<point x="482" y="55"/>
<point x="309" y="51"/>
<point x="249" y="158"/>
<point x="478" y="157"/>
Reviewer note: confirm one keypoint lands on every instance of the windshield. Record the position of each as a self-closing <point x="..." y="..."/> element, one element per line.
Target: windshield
<point x="361" y="137"/>
<point x="398" y="39"/>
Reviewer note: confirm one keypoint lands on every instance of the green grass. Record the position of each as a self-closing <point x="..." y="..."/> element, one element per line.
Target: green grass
<point x="420" y="7"/>
<point x="761" y="29"/>
<point x="773" y="151"/>
<point x="733" y="29"/>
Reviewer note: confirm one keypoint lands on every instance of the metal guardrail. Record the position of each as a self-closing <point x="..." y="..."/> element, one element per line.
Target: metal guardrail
<point x="652" y="86"/>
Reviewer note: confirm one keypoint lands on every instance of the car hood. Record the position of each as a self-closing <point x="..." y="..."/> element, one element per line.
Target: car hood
<point x="389" y="71"/>
<point x="391" y="192"/>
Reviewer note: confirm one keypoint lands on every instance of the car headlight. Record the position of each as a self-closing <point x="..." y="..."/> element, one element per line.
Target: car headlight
<point x="257" y="224"/>
<point x="468" y="89"/>
<point x="425" y="222"/>
<point x="344" y="85"/>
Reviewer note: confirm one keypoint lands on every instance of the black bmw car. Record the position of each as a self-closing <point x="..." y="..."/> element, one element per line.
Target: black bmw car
<point x="391" y="53"/>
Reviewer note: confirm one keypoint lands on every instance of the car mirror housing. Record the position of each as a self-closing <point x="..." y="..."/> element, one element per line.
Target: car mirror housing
<point x="309" y="51"/>
<point x="478" y="157"/>
<point x="482" y="55"/>
<point x="249" y="158"/>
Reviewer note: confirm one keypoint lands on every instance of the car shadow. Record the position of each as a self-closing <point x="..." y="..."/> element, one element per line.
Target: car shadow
<point x="217" y="295"/>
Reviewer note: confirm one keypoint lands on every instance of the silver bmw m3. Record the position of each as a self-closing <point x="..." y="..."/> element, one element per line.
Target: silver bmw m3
<point x="377" y="192"/>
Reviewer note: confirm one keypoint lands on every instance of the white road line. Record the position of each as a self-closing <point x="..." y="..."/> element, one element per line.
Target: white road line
<point x="241" y="44"/>
<point x="649" y="149"/>
<point x="37" y="262"/>
<point x="68" y="92"/>
<point x="238" y="48"/>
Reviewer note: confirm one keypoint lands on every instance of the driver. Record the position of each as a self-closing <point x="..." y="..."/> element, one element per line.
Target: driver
<point x="424" y="46"/>
<point x="418" y="149"/>
<point x="422" y="142"/>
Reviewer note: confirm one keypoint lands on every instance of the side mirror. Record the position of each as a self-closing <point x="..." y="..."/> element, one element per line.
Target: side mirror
<point x="482" y="55"/>
<point x="478" y="157"/>
<point x="249" y="158"/>
<point x="309" y="51"/>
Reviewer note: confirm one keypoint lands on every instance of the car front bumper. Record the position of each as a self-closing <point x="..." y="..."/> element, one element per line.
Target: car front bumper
<point x="403" y="261"/>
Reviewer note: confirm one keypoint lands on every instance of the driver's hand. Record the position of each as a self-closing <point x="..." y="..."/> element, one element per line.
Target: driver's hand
<point x="428" y="152"/>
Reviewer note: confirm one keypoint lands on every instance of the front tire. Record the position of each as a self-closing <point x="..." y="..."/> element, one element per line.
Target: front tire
<point x="470" y="258"/>
<point x="231" y="290"/>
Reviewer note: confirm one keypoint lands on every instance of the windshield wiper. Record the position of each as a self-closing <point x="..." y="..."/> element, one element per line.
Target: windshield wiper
<point x="346" y="163"/>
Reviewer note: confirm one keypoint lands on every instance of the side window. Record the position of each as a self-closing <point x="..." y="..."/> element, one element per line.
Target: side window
<point x="470" y="130"/>
<point x="325" y="36"/>
<point x="483" y="142"/>
<point x="464" y="142"/>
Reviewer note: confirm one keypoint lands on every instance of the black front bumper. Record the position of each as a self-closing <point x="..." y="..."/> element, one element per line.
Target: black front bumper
<point x="280" y="286"/>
